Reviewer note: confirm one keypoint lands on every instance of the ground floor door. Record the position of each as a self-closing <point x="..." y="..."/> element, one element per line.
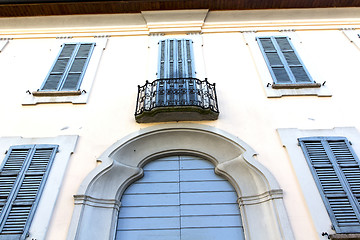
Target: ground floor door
<point x="179" y="198"/>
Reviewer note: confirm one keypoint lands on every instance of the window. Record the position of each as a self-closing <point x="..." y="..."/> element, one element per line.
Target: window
<point x="279" y="67"/>
<point x="314" y="203"/>
<point x="284" y="63"/>
<point x="335" y="168"/>
<point x="32" y="155"/>
<point x="69" y="67"/>
<point x="72" y="73"/>
<point x="22" y="177"/>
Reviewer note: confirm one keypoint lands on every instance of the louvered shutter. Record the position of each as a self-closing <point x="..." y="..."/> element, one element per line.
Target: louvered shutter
<point x="179" y="198"/>
<point x="176" y="73"/>
<point x="26" y="168"/>
<point x="336" y="169"/>
<point x="69" y="67"/>
<point x="283" y="62"/>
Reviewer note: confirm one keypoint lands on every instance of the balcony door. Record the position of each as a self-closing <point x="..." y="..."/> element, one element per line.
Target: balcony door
<point x="176" y="73"/>
<point x="179" y="198"/>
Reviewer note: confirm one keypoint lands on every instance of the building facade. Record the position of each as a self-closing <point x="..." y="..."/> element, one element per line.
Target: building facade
<point x="181" y="124"/>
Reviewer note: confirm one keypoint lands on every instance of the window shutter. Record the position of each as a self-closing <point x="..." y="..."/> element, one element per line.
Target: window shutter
<point x="69" y="68"/>
<point x="283" y="62"/>
<point x="176" y="67"/>
<point x="336" y="171"/>
<point x="176" y="59"/>
<point x="29" y="167"/>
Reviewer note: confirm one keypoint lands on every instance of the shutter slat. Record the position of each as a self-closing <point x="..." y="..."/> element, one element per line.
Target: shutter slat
<point x="15" y="159"/>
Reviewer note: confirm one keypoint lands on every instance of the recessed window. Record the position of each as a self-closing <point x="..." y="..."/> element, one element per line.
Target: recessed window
<point x="71" y="75"/>
<point x="285" y="66"/>
<point x="280" y="59"/>
<point x="336" y="170"/>
<point x="23" y="175"/>
<point x="69" y="68"/>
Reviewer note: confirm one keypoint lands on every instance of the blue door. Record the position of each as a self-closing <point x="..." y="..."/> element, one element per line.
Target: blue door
<point x="179" y="198"/>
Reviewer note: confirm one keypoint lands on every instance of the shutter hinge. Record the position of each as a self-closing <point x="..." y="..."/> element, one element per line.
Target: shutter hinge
<point x="6" y="151"/>
<point x="325" y="234"/>
<point x="350" y="142"/>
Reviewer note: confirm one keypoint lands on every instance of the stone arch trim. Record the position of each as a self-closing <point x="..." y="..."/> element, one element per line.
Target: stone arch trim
<point x="259" y="195"/>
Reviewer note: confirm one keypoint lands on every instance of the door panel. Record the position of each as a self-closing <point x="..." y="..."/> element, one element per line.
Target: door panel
<point x="180" y="198"/>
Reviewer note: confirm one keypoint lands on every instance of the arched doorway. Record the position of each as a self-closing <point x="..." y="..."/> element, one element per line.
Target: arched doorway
<point x="259" y="196"/>
<point x="179" y="198"/>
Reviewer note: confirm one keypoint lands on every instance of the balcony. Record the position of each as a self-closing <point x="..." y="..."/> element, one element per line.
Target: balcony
<point x="176" y="99"/>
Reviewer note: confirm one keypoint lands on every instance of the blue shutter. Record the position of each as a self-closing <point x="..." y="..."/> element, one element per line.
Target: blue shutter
<point x="180" y="198"/>
<point x="69" y="67"/>
<point x="283" y="62"/>
<point x="176" y="73"/>
<point x="336" y="170"/>
<point x="22" y="177"/>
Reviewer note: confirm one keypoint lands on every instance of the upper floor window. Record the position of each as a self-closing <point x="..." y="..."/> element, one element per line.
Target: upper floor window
<point x="23" y="175"/>
<point x="284" y="64"/>
<point x="280" y="69"/>
<point x="71" y="75"/>
<point x="69" y="67"/>
<point x="336" y="170"/>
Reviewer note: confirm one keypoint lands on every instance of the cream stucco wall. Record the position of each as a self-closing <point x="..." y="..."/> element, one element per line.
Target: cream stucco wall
<point x="245" y="110"/>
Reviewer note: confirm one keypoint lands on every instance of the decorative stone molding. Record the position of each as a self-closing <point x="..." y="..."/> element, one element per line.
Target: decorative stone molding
<point x="184" y="21"/>
<point x="264" y="197"/>
<point x="94" y="202"/>
<point x="258" y="191"/>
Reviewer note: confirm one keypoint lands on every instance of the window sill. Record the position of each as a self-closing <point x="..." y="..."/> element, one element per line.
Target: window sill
<point x="296" y="86"/>
<point x="347" y="236"/>
<point x="299" y="90"/>
<point x="39" y="97"/>
<point x="55" y="93"/>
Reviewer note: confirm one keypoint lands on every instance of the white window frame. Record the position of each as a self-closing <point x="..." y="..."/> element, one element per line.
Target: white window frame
<point x="46" y="205"/>
<point x="264" y="73"/>
<point x="3" y="43"/>
<point x="87" y="81"/>
<point x="353" y="36"/>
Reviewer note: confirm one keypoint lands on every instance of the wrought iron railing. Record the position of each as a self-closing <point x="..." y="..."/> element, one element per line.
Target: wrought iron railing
<point x="176" y="92"/>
